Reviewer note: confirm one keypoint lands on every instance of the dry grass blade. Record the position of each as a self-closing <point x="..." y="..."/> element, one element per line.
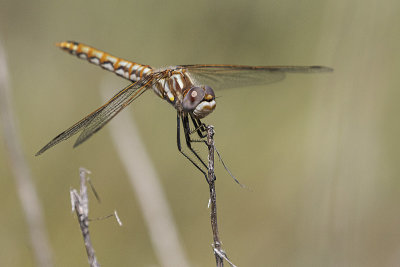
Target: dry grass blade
<point x="23" y="178"/>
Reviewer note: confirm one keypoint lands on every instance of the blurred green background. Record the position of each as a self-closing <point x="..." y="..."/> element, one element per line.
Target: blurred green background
<point x="319" y="152"/>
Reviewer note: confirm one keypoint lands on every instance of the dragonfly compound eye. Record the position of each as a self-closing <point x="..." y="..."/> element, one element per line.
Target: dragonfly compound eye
<point x="192" y="98"/>
<point x="209" y="93"/>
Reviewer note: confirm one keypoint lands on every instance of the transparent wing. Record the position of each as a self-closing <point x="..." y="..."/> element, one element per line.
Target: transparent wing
<point x="232" y="76"/>
<point x="98" y="118"/>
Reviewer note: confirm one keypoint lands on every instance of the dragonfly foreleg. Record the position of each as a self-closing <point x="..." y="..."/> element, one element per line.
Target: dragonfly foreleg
<point x="188" y="143"/>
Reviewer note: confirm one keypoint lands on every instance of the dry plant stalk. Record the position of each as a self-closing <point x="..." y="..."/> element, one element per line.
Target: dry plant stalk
<point x="219" y="254"/>
<point x="80" y="203"/>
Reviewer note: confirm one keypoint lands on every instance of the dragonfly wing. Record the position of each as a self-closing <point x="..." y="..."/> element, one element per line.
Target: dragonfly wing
<point x="109" y="112"/>
<point x="98" y="118"/>
<point x="233" y="76"/>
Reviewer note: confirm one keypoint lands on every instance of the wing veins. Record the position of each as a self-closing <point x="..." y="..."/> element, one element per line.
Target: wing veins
<point x="220" y="76"/>
<point x="110" y="105"/>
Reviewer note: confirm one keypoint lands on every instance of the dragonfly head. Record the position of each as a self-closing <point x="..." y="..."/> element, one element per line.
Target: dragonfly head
<point x="200" y="101"/>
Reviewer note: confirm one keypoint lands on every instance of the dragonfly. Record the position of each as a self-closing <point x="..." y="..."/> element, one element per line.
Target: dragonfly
<point x="188" y="88"/>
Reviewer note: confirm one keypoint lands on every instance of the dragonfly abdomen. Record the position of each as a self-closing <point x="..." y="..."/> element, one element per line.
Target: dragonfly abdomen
<point x="126" y="69"/>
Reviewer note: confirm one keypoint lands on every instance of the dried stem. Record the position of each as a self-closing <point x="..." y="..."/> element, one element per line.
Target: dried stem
<point x="218" y="252"/>
<point x="80" y="203"/>
<point x="22" y="174"/>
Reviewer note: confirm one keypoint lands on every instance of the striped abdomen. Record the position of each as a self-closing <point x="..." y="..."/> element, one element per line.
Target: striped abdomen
<point x="126" y="69"/>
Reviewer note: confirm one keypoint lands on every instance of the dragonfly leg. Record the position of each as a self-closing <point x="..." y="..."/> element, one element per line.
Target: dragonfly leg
<point x="185" y="122"/>
<point x="199" y="127"/>
<point x="189" y="141"/>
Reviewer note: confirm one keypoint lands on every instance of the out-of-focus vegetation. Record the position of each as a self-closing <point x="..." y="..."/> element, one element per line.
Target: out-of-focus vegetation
<point x="320" y="152"/>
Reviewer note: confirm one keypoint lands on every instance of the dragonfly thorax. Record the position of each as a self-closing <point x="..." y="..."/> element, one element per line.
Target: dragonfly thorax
<point x="178" y="89"/>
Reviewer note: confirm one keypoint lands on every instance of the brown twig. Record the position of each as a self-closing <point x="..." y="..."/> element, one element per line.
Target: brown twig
<point x="220" y="255"/>
<point x="23" y="178"/>
<point x="80" y="203"/>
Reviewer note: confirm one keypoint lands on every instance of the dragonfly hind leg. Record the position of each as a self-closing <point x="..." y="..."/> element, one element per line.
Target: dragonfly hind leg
<point x="186" y="129"/>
